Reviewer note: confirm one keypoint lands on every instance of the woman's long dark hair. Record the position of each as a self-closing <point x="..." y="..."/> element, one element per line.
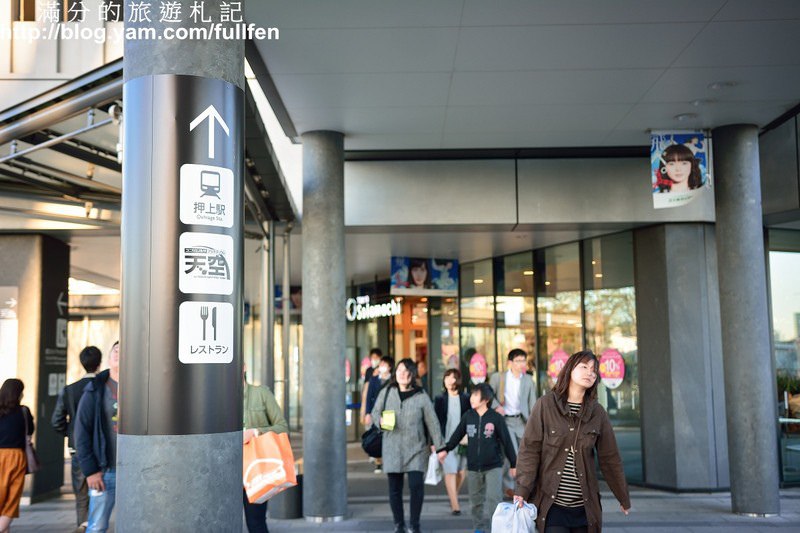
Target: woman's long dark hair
<point x="10" y="395"/>
<point x="561" y="388"/>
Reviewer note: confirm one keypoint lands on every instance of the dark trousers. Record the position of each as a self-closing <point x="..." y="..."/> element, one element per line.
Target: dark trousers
<point x="81" y="490"/>
<point x="416" y="489"/>
<point x="255" y="515"/>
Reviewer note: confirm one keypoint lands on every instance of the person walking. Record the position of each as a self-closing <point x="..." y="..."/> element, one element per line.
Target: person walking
<point x="405" y="412"/>
<point x="379" y="379"/>
<point x="261" y="414"/>
<point x="514" y="399"/>
<point x="96" y="441"/>
<point x="63" y="421"/>
<point x="556" y="462"/>
<point x="14" y="420"/>
<point x="450" y="406"/>
<point x="487" y="441"/>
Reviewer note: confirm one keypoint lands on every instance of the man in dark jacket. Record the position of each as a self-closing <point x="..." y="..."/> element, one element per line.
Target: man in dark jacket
<point x="487" y="441"/>
<point x="63" y="421"/>
<point x="96" y="441"/>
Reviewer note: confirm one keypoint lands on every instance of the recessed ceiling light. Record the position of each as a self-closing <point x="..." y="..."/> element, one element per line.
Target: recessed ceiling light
<point x="527" y="272"/>
<point x="547" y="283"/>
<point x="718" y="85"/>
<point x="477" y="281"/>
<point x="516" y="289"/>
<point x="683" y="117"/>
<point x="598" y="275"/>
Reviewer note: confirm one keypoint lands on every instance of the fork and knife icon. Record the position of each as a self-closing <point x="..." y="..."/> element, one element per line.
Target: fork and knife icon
<point x="204" y="317"/>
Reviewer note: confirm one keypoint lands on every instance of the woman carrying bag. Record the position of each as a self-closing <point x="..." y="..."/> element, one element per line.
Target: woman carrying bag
<point x="556" y="460"/>
<point x="406" y="418"/>
<point x="450" y="406"/>
<point x="16" y="425"/>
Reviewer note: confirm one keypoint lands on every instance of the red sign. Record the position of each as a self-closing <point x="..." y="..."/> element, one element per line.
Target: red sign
<point x="612" y="368"/>
<point x="557" y="361"/>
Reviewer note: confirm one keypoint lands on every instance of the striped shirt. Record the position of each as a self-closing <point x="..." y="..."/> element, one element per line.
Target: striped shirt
<point x="569" y="490"/>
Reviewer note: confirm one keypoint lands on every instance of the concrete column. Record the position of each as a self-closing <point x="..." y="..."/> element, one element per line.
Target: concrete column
<point x="267" y="309"/>
<point x="286" y="309"/>
<point x="680" y="358"/>
<point x="749" y="375"/>
<point x="179" y="449"/>
<point x="325" y="461"/>
<point x="34" y="270"/>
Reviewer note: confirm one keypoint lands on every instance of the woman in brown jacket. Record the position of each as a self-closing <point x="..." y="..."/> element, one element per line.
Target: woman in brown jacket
<point x="556" y="465"/>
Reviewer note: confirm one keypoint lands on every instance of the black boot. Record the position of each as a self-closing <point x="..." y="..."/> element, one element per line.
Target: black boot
<point x="399" y="528"/>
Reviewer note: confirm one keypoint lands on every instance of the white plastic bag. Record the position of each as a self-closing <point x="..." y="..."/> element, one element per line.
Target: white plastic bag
<point x="508" y="518"/>
<point x="434" y="474"/>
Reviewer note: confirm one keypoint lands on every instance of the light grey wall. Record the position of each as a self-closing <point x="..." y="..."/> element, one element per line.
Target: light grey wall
<point x="597" y="190"/>
<point x="487" y="193"/>
<point x="778" y="157"/>
<point x="422" y="193"/>
<point x="680" y="357"/>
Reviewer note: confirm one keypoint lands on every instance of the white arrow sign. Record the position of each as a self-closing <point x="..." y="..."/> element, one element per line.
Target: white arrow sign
<point x="61" y="303"/>
<point x="211" y="114"/>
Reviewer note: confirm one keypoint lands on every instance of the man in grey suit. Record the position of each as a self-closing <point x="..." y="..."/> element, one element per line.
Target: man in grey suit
<point x="514" y="399"/>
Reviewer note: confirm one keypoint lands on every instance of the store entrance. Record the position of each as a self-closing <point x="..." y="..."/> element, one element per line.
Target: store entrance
<point x="411" y="334"/>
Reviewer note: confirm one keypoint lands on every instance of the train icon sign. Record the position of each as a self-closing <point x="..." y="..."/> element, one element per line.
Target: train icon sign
<point x="207" y="195"/>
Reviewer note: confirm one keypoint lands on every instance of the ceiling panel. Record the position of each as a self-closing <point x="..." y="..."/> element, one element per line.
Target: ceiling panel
<point x="551" y="87"/>
<point x="658" y="116"/>
<point x="751" y="83"/>
<point x="371" y="120"/>
<point x="750" y="10"/>
<point x="363" y="90"/>
<point x="538" y="12"/>
<point x="293" y="14"/>
<point x="746" y="43"/>
<point x="539" y="117"/>
<point x="361" y="51"/>
<point x="523" y="139"/>
<point x="400" y="141"/>
<point x="573" y="47"/>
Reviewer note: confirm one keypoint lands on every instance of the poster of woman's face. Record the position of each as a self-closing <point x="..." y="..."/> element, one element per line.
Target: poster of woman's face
<point x="678" y="167"/>
<point x="422" y="276"/>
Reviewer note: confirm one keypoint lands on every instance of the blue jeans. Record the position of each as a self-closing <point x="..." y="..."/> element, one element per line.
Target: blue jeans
<point x="102" y="503"/>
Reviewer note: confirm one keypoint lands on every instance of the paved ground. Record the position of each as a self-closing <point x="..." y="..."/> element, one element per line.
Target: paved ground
<point x="368" y="511"/>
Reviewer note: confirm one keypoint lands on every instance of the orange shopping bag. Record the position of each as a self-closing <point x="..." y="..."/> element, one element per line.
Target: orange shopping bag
<point x="268" y="466"/>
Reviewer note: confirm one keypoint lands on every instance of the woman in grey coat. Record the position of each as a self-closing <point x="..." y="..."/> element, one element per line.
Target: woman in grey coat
<point x="406" y="448"/>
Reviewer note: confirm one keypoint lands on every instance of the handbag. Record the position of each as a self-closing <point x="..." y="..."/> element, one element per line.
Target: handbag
<point x="513" y="519"/>
<point x="34" y="465"/>
<point x="434" y="473"/>
<point x="372" y="439"/>
<point x="268" y="466"/>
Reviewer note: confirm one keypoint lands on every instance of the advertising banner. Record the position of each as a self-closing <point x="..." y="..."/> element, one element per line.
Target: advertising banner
<point x="612" y="368"/>
<point x="415" y="276"/>
<point x="679" y="167"/>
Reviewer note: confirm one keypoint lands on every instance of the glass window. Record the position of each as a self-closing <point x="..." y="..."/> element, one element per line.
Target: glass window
<point x="558" y="305"/>
<point x="477" y="334"/>
<point x="784" y="264"/>
<point x="516" y="326"/>
<point x="610" y="325"/>
<point x="24" y="10"/>
<point x="443" y="334"/>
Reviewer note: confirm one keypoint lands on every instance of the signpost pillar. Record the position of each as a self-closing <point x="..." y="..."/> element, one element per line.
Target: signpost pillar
<point x="180" y="397"/>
